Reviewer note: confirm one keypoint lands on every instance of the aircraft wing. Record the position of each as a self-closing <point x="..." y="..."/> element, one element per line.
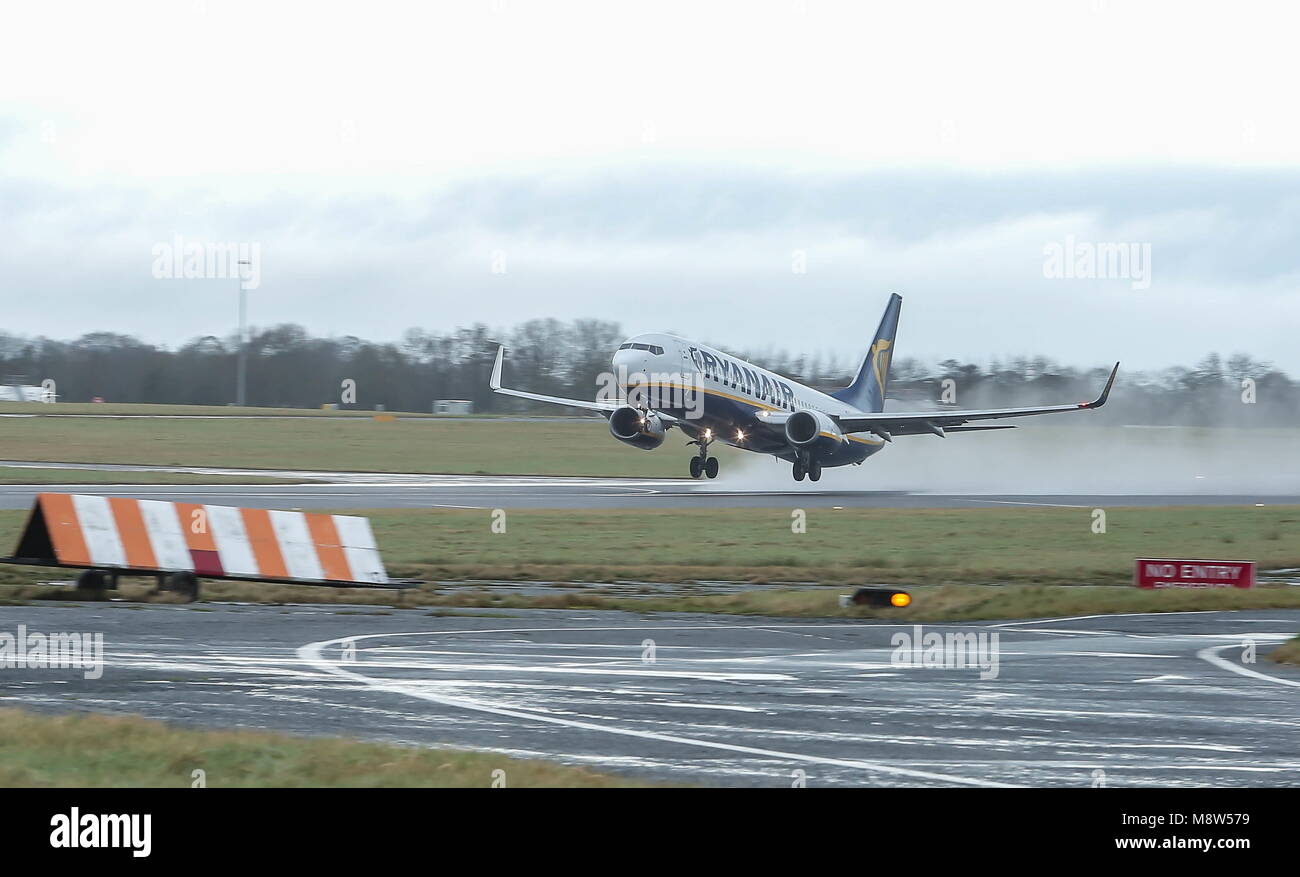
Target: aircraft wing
<point x="591" y="405"/>
<point x="891" y="423"/>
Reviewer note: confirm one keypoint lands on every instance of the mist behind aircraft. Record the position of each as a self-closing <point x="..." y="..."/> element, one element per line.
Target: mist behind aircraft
<point x="1043" y="460"/>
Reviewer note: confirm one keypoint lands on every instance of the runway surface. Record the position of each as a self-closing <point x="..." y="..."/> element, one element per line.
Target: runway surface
<point x="1107" y="700"/>
<point x="393" y="490"/>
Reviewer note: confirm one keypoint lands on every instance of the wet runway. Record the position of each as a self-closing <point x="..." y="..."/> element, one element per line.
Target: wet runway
<point x="360" y="490"/>
<point x="1107" y="700"/>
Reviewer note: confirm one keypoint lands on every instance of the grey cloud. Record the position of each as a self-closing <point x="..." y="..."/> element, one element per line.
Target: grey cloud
<point x="700" y="248"/>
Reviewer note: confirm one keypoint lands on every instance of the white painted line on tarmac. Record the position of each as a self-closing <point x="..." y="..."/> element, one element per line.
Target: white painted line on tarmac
<point x="1212" y="655"/>
<point x="1109" y="615"/>
<point x="312" y="655"/>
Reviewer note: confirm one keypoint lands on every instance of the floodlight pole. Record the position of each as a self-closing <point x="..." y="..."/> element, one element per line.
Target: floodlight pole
<point x="241" y="379"/>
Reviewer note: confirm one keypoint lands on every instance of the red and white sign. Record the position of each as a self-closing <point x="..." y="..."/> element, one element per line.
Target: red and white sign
<point x="1168" y="573"/>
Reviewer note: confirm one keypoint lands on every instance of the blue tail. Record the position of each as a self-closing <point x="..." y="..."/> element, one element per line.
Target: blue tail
<point x="867" y="392"/>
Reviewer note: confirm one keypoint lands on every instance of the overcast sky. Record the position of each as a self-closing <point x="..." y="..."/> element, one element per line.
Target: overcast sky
<point x="760" y="175"/>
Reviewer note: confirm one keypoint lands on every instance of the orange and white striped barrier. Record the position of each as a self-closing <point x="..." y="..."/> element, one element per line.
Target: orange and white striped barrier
<point x="153" y="536"/>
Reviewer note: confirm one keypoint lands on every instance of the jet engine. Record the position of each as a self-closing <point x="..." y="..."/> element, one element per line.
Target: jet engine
<point x="803" y="429"/>
<point x="638" y="428"/>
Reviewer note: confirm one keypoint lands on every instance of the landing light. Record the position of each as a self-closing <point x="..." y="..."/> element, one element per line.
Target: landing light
<point x="740" y="436"/>
<point x="708" y="433"/>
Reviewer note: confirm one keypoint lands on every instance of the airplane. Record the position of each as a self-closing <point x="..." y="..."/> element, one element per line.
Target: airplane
<point x="711" y="396"/>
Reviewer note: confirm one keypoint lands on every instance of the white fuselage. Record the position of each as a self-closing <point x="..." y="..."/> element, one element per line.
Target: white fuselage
<point x="735" y="401"/>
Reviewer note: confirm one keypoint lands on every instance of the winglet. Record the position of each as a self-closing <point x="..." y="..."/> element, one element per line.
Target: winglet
<point x="495" y="381"/>
<point x="1105" y="393"/>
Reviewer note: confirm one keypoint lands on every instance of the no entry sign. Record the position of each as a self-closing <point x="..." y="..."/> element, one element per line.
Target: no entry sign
<point x="1169" y="573"/>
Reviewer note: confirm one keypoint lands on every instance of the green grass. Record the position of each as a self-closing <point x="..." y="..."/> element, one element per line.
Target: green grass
<point x="1287" y="653"/>
<point x="845" y="546"/>
<point x="931" y="603"/>
<point x="488" y="446"/>
<point x="1034" y="558"/>
<point x="129" y="409"/>
<point x="933" y="546"/>
<point x="981" y="602"/>
<point x="23" y="475"/>
<point x="494" y="446"/>
<point x="95" y="751"/>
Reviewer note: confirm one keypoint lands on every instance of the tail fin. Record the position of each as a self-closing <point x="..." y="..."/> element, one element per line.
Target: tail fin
<point x="867" y="392"/>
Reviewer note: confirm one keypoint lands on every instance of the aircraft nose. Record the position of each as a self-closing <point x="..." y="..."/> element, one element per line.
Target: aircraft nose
<point x="630" y="367"/>
<point x="632" y="360"/>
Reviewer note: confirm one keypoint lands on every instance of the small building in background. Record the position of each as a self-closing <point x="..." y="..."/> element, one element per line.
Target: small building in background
<point x="13" y="390"/>
<point x="453" y="406"/>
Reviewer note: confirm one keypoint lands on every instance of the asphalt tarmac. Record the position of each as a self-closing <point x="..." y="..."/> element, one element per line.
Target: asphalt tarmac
<point x="1136" y="700"/>
<point x="362" y="490"/>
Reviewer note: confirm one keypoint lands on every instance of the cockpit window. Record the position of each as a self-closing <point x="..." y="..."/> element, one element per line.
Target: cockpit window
<point x="652" y="348"/>
<point x="656" y="349"/>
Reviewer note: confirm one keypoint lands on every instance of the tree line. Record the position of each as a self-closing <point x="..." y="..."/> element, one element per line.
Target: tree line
<point x="288" y="367"/>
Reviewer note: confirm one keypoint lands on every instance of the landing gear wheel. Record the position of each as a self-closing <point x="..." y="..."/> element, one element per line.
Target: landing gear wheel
<point x="93" y="580"/>
<point x="184" y="585"/>
<point x="814" y="470"/>
<point x="798" y="471"/>
<point x="702" y="463"/>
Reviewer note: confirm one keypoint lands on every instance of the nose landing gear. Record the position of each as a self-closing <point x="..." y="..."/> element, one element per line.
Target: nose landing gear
<point x="702" y="463"/>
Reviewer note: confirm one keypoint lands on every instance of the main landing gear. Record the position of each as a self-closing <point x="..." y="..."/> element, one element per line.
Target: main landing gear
<point x="702" y="463"/>
<point x="809" y="466"/>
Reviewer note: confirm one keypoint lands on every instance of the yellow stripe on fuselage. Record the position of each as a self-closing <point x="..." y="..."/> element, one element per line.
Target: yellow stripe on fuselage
<point x="762" y="405"/>
<point x="751" y="402"/>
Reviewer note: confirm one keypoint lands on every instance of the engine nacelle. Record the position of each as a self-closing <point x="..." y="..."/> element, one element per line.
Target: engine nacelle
<point x="803" y="429"/>
<point x="638" y="428"/>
